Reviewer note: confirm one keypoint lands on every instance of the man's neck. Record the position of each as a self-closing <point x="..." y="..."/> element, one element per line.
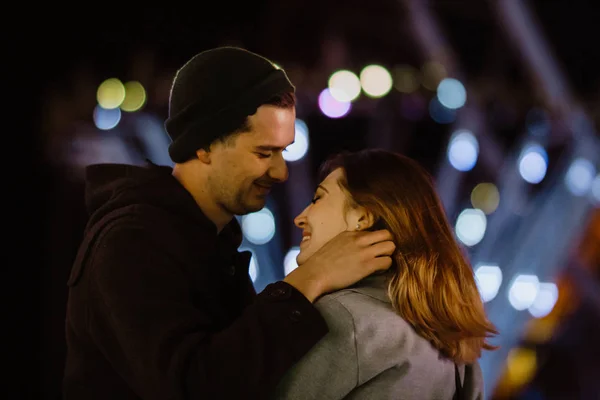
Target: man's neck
<point x="193" y="183"/>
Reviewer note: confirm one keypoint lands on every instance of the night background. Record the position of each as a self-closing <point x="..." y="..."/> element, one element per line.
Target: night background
<point x="499" y="100"/>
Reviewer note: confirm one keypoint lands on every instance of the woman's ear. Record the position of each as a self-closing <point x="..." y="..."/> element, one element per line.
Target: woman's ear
<point x="364" y="219"/>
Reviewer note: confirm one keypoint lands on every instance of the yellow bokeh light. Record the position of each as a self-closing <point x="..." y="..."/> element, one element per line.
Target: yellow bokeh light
<point x="135" y="97"/>
<point x="344" y="86"/>
<point x="432" y="74"/>
<point x="521" y="365"/>
<point x="376" y="81"/>
<point x="486" y="197"/>
<point x="406" y="78"/>
<point x="111" y="93"/>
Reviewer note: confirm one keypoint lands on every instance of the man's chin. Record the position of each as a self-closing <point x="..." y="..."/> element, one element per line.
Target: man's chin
<point x="249" y="208"/>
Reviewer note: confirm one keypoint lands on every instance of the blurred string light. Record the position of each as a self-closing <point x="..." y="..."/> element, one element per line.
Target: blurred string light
<point x="110" y="93"/>
<point x="470" y="226"/>
<point x="488" y="279"/>
<point x="486" y="197"/>
<point x="432" y="74"/>
<point x="106" y="119"/>
<point x="580" y="176"/>
<point x="331" y="107"/>
<point x="375" y="80"/>
<point x="406" y="78"/>
<point x="451" y="93"/>
<point x="259" y="227"/>
<point x="298" y="149"/>
<point x="289" y="261"/>
<point x="463" y="150"/>
<point x="135" y="97"/>
<point x="545" y="300"/>
<point x="533" y="163"/>
<point x="440" y="113"/>
<point x="344" y="86"/>
<point x="523" y="291"/>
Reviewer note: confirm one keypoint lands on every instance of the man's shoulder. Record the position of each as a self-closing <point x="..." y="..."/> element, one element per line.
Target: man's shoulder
<point x="146" y="217"/>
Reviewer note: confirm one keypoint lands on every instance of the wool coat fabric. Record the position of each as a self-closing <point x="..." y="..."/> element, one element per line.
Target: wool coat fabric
<point x="372" y="353"/>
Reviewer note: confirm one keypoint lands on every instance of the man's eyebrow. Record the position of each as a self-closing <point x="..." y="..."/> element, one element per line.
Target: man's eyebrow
<point x="271" y="148"/>
<point x="322" y="188"/>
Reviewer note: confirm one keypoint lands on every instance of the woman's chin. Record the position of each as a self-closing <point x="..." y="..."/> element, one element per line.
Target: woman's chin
<point x="302" y="257"/>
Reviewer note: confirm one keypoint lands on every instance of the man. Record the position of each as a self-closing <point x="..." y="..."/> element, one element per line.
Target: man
<point x="161" y="305"/>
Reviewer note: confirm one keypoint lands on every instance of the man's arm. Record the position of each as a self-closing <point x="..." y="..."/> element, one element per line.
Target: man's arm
<point x="142" y="319"/>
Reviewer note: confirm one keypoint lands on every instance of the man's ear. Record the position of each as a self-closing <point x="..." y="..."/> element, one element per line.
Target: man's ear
<point x="204" y="155"/>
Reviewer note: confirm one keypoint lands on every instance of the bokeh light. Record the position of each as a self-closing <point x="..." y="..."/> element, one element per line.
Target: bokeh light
<point x="344" y="86"/>
<point x="376" y="81"/>
<point x="106" y="119"/>
<point x="533" y="163"/>
<point x="451" y="93"/>
<point x="331" y="107"/>
<point x="580" y="176"/>
<point x="440" y="113"/>
<point x="470" y="226"/>
<point x="259" y="227"/>
<point x="135" y="97"/>
<point x="298" y="149"/>
<point x="289" y="261"/>
<point x="110" y="93"/>
<point x="486" y="197"/>
<point x="463" y="150"/>
<point x="488" y="279"/>
<point x="406" y="78"/>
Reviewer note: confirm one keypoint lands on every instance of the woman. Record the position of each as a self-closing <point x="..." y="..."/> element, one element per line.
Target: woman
<point x="413" y="332"/>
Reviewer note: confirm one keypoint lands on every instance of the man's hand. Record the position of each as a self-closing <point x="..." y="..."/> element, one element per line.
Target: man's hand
<point x="343" y="261"/>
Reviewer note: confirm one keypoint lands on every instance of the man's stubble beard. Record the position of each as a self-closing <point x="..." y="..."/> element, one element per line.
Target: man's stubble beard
<point x="238" y="203"/>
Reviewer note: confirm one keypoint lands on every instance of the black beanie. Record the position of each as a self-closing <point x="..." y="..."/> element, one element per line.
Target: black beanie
<point x="214" y="92"/>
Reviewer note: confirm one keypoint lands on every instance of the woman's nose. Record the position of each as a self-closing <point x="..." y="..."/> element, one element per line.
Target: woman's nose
<point x="300" y="220"/>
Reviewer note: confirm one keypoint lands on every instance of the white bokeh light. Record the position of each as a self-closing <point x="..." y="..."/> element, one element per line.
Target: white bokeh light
<point x="523" y="291"/>
<point x="376" y="81"/>
<point x="545" y="300"/>
<point x="289" y="261"/>
<point x="533" y="163"/>
<point x="259" y="227"/>
<point x="580" y="176"/>
<point x="463" y="150"/>
<point x="470" y="226"/>
<point x="344" y="85"/>
<point x="488" y="279"/>
<point x="451" y="93"/>
<point x="298" y="149"/>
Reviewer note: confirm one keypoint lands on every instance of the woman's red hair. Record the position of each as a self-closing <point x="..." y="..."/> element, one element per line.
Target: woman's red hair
<point x="432" y="285"/>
